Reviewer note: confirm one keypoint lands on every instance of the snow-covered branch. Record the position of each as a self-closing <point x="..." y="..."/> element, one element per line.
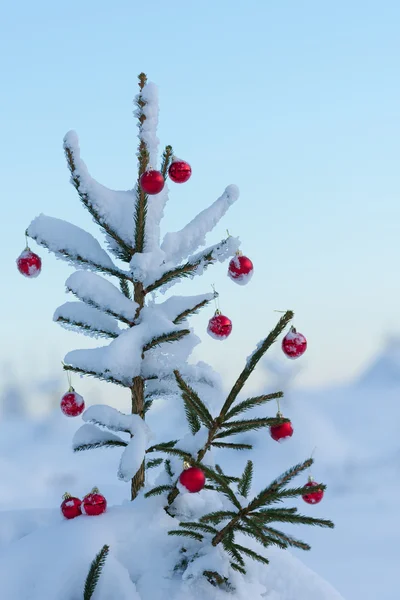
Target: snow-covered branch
<point x="90" y="436"/>
<point x="86" y="319"/>
<point x="178" y="245"/>
<point x="112" y="210"/>
<point x="101" y="294"/>
<point x="73" y="244"/>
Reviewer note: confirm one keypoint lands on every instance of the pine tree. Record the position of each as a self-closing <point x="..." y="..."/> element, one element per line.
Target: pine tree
<point x="149" y="342"/>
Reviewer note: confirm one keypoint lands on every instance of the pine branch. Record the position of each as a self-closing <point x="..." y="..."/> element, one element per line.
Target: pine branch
<point x="200" y="526"/>
<point x="186" y="270"/>
<point x="101" y="444"/>
<point x="94" y="374"/>
<point x="154" y="462"/>
<point x="192" y="399"/>
<point x="246" y="479"/>
<point x="167" y="465"/>
<point x="252" y="403"/>
<point x="190" y="311"/>
<point x="252" y="424"/>
<point x="252" y="554"/>
<point x="172" y="336"/>
<point x="232" y="445"/>
<point x="166" y="160"/>
<point x="283" y="515"/>
<point x="288" y="540"/>
<point x="254" y="359"/>
<point x="162" y="447"/>
<point x="123" y="284"/>
<point x="186" y="533"/>
<point x="157" y="491"/>
<point x="125" y="251"/>
<point x="84" y="262"/>
<point x="218" y="516"/>
<point x="94" y="572"/>
<point x="104" y="309"/>
<point x="84" y="327"/>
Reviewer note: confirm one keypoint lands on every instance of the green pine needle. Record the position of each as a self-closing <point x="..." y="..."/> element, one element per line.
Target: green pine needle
<point x="94" y="572"/>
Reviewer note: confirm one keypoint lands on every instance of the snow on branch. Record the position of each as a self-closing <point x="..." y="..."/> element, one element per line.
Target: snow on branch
<point x="195" y="265"/>
<point x="122" y="358"/>
<point x="73" y="244"/>
<point x="133" y="455"/>
<point x="177" y="246"/>
<point x="101" y="294"/>
<point x="106" y="416"/>
<point x="112" y="210"/>
<point x="178" y="308"/>
<point x="148" y="129"/>
<point x="90" y="436"/>
<point x="86" y="319"/>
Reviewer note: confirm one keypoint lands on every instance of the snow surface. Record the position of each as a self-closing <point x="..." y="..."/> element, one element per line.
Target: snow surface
<point x="62" y="237"/>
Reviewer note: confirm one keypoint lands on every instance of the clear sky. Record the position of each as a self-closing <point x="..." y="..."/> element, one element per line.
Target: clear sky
<point x="298" y="103"/>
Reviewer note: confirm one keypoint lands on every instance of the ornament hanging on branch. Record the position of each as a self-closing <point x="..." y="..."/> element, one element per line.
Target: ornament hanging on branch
<point x="94" y="503"/>
<point x="240" y="269"/>
<point x="294" y="344"/>
<point x="179" y="171"/>
<point x="29" y="264"/>
<point x="152" y="182"/>
<point x="219" y="326"/>
<point x="193" y="479"/>
<point x="72" y="404"/>
<point x="282" y="432"/>
<point x="71" y="507"/>
<point x="314" y="497"/>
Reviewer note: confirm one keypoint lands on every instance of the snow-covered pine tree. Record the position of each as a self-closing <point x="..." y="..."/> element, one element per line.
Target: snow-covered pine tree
<point x="118" y="294"/>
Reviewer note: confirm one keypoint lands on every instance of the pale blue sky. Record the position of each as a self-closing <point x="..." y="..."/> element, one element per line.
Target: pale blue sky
<point x="298" y="103"/>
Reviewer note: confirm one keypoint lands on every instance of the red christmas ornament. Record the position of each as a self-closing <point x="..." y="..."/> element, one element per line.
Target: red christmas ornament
<point x="193" y="479"/>
<point x="29" y="264"/>
<point x="94" y="503"/>
<point x="152" y="182"/>
<point x="179" y="171"/>
<point x="240" y="269"/>
<point x="282" y="432"/>
<point x="314" y="497"/>
<point x="294" y="344"/>
<point x="219" y="326"/>
<point x="72" y="404"/>
<point x="71" y="507"/>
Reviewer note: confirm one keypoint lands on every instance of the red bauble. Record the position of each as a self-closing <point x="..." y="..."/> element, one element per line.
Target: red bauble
<point x="179" y="171"/>
<point x="72" y="404"/>
<point x="152" y="182"/>
<point x="29" y="264"/>
<point x="294" y="344"/>
<point x="282" y="432"/>
<point x="240" y="269"/>
<point x="94" y="503"/>
<point x="193" y="479"/>
<point x="71" y="507"/>
<point x="219" y="326"/>
<point x="314" y="497"/>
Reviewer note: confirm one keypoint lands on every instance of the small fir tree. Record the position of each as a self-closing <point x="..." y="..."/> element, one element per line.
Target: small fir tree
<point x="150" y="340"/>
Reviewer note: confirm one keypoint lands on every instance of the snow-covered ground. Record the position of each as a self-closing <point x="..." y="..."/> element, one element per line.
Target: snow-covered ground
<point x="354" y="430"/>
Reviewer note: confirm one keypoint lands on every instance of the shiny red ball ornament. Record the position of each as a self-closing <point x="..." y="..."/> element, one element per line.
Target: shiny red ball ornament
<point x="72" y="404"/>
<point x="240" y="269"/>
<point x="294" y="344"/>
<point x="314" y="497"/>
<point x="94" y="503"/>
<point x="219" y="326"/>
<point x="179" y="171"/>
<point x="29" y="264"/>
<point x="193" y="479"/>
<point x="282" y="432"/>
<point x="152" y="182"/>
<point x="71" y="507"/>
